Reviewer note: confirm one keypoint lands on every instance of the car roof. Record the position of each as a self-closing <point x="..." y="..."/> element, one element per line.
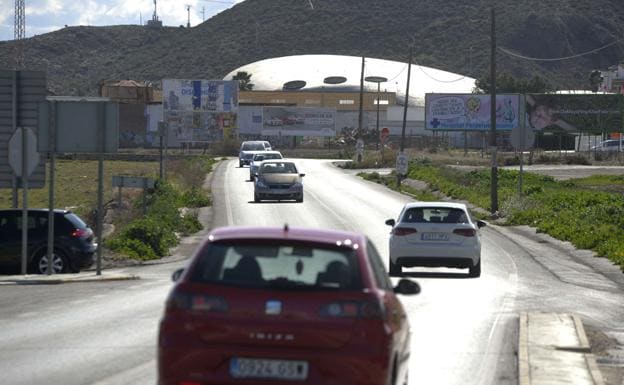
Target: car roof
<point x="269" y="152"/>
<point x="453" y="205"/>
<point x="282" y="160"/>
<point x="326" y="236"/>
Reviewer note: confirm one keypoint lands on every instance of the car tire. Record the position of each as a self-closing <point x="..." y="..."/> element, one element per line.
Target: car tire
<point x="300" y="199"/>
<point x="40" y="263"/>
<point x="240" y="164"/>
<point x="475" y="271"/>
<point x="256" y="198"/>
<point x="395" y="268"/>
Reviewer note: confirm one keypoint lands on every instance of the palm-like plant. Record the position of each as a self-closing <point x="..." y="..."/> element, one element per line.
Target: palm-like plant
<point x="244" y="81"/>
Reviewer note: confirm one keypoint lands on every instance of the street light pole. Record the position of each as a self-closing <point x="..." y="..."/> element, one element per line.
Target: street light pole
<point x="409" y="73"/>
<point x="494" y="171"/>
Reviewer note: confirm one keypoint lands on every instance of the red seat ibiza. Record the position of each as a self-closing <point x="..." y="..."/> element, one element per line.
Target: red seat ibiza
<point x="284" y="306"/>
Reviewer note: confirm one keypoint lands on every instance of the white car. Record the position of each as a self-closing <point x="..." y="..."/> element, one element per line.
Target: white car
<point x="611" y="145"/>
<point x="435" y="234"/>
<point x="258" y="158"/>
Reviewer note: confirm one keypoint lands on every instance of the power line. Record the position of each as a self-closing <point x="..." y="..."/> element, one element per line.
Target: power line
<point x="510" y="53"/>
<point x="438" y="80"/>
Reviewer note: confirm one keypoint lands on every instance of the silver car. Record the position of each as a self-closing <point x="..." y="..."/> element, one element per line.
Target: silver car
<point x="258" y="158"/>
<point x="278" y="180"/>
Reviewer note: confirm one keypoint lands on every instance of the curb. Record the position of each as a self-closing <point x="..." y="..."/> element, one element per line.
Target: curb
<point x="526" y="362"/>
<point x="71" y="279"/>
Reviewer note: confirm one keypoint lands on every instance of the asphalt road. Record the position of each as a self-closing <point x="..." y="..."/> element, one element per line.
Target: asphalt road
<point x="464" y="330"/>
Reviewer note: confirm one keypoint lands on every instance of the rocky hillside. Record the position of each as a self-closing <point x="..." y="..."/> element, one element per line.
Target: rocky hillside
<point x="449" y="35"/>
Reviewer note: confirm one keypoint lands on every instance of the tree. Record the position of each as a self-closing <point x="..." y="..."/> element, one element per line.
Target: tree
<point x="244" y="81"/>
<point x="595" y="80"/>
<point x="505" y="83"/>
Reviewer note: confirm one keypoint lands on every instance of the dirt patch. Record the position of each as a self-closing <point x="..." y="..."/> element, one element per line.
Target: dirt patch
<point x="603" y="347"/>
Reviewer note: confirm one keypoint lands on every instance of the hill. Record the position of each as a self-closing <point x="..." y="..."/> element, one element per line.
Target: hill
<point x="449" y="35"/>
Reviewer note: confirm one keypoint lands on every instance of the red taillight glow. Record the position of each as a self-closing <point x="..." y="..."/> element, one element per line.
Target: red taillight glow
<point x="80" y="233"/>
<point x="465" y="232"/>
<point x="195" y="302"/>
<point x="352" y="309"/>
<point x="400" y="231"/>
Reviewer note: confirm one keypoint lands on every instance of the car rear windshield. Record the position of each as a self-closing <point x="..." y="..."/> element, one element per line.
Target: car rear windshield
<point x="435" y="214"/>
<point x="279" y="168"/>
<point x="76" y="221"/>
<point x="278" y="265"/>
<point x="253" y="147"/>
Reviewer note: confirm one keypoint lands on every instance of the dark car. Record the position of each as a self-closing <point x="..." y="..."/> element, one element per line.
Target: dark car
<point x="73" y="241"/>
<point x="277" y="305"/>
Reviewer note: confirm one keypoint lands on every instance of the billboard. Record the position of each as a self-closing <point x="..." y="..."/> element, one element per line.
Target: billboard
<point x="471" y="112"/>
<point x="199" y="110"/>
<point x="574" y="113"/>
<point x="298" y="121"/>
<point x="250" y="120"/>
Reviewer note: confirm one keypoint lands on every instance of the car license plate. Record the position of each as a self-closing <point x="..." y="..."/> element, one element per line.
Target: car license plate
<point x="434" y="236"/>
<point x="261" y="368"/>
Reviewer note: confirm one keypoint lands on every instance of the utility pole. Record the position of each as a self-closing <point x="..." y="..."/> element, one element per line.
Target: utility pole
<point x="359" y="133"/>
<point x="494" y="172"/>
<point x="409" y="73"/>
<point x="188" y="11"/>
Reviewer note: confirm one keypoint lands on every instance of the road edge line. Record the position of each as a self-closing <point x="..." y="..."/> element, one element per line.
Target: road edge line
<point x="524" y="368"/>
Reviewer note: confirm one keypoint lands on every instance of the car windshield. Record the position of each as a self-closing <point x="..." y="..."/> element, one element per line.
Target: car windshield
<point x="278" y="265"/>
<point x="252" y="147"/>
<point x="279" y="168"/>
<point x="434" y="214"/>
<point x="259" y="157"/>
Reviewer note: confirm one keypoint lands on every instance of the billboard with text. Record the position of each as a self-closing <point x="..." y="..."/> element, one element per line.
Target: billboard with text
<point x="470" y="112"/>
<point x="298" y="121"/>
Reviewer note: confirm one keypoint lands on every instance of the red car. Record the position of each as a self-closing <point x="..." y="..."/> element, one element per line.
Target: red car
<point x="284" y="305"/>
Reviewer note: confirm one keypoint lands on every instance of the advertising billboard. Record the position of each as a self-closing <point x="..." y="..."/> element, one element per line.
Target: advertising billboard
<point x="298" y="121"/>
<point x="471" y="112"/>
<point x="249" y="120"/>
<point x="199" y="110"/>
<point x="574" y="113"/>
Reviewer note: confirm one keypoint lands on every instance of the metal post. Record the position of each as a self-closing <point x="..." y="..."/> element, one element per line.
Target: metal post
<point x="494" y="171"/>
<point x="52" y="155"/>
<point x="24" y="178"/>
<point x="14" y="112"/>
<point x="409" y="73"/>
<point x="377" y="125"/>
<point x="100" y="195"/>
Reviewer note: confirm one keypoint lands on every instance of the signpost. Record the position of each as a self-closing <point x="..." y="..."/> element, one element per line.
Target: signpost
<point x="144" y="183"/>
<point x="402" y="162"/>
<point x="23" y="158"/>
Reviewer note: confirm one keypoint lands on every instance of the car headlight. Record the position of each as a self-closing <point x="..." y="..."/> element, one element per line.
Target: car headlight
<point x="297" y="185"/>
<point x="260" y="183"/>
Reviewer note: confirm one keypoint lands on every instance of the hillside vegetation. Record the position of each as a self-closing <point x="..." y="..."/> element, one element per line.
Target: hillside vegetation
<point x="449" y="35"/>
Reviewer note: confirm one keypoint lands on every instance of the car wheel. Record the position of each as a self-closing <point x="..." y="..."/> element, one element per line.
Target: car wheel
<point x="240" y="164"/>
<point x="256" y="198"/>
<point x="395" y="268"/>
<point x="40" y="263"/>
<point x="475" y="271"/>
<point x="300" y="199"/>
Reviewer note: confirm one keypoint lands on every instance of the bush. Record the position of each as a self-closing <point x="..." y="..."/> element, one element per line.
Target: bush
<point x="153" y="233"/>
<point x="133" y="248"/>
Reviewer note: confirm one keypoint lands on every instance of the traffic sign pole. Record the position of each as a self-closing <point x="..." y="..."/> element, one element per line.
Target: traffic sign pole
<point x="24" y="176"/>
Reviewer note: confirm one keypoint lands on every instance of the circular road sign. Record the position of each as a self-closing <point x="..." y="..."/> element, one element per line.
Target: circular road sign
<point x="384" y="135"/>
<point x="15" y="152"/>
<point x="294" y="85"/>
<point x="334" y="80"/>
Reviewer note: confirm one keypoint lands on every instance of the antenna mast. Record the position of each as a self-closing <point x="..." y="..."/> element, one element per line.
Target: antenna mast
<point x="19" y="31"/>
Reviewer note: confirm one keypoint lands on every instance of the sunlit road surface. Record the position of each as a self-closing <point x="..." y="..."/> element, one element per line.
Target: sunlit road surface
<point x="464" y="330"/>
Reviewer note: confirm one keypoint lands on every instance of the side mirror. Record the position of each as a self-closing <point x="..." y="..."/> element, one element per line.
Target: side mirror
<point x="176" y="274"/>
<point x="407" y="287"/>
<point x="302" y="174"/>
<point x="390" y="222"/>
<point x="481" y="223"/>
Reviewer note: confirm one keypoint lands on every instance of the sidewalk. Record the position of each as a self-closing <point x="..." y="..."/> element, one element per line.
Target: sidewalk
<point x="553" y="350"/>
<point x="86" y="276"/>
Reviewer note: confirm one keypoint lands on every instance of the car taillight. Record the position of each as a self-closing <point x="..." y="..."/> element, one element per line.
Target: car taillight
<point x="352" y="309"/>
<point x="465" y="232"/>
<point x="179" y="300"/>
<point x="81" y="233"/>
<point x="399" y="231"/>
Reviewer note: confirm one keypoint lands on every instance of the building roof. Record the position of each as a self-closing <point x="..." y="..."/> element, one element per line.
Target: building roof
<point x="272" y="74"/>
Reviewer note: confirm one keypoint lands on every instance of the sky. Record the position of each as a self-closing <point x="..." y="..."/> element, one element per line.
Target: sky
<point x="43" y="16"/>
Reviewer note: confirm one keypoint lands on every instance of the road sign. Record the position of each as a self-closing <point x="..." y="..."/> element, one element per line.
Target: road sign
<point x="16" y="151"/>
<point x="402" y="161"/>
<point x="133" y="181"/>
<point x="359" y="146"/>
<point x="384" y="135"/>
<point x="522" y="138"/>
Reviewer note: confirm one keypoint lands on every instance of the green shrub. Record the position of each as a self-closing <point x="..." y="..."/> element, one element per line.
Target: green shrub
<point x="133" y="248"/>
<point x="152" y="232"/>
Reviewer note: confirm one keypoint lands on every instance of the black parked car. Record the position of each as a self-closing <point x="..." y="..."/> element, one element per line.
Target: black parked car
<point x="73" y="241"/>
